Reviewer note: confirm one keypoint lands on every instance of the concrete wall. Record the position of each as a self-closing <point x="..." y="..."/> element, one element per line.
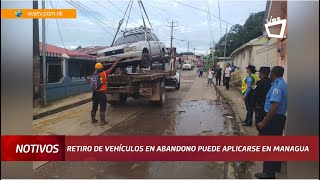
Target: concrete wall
<point x="260" y="55"/>
<point x="66" y="87"/>
<point x="266" y="55"/>
<point x="243" y="59"/>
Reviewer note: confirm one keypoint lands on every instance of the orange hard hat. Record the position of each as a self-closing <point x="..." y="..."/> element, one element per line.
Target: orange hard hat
<point x="98" y="66"/>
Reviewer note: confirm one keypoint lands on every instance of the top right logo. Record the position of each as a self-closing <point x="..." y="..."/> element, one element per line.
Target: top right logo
<point x="274" y="22"/>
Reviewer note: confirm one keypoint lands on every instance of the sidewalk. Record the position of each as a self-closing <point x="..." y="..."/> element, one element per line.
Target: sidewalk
<point x="234" y="98"/>
<point x="72" y="119"/>
<point x="61" y="105"/>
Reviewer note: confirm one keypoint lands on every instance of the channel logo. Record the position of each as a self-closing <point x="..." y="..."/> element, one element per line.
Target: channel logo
<point x="18" y="13"/>
<point x="274" y="22"/>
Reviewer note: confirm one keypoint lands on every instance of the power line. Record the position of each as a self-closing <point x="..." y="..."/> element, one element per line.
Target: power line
<point x="90" y="15"/>
<point x="201" y="10"/>
<point x="99" y="16"/>
<point x="106" y="8"/>
<point x="122" y="11"/>
<point x="87" y="14"/>
<point x="60" y="32"/>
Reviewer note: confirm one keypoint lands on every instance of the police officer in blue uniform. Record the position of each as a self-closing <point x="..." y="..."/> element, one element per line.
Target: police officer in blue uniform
<point x="275" y="119"/>
<point x="247" y="87"/>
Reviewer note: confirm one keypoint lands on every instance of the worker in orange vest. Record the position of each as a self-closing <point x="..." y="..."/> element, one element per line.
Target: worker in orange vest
<point x="99" y="86"/>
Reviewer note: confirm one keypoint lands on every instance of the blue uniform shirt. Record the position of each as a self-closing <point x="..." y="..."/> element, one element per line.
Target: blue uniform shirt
<point x="249" y="81"/>
<point x="277" y="93"/>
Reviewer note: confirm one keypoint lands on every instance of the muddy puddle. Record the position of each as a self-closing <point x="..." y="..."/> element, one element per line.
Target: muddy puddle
<point x="203" y="117"/>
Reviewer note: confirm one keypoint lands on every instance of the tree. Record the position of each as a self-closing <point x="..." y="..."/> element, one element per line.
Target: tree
<point x="239" y="35"/>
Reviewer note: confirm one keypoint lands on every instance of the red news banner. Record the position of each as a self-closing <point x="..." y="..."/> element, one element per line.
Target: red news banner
<point x="159" y="148"/>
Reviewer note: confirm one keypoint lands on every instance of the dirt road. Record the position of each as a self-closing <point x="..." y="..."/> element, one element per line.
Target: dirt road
<point x="195" y="109"/>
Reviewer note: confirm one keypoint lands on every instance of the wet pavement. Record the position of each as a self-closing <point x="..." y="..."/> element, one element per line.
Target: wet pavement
<point x="193" y="110"/>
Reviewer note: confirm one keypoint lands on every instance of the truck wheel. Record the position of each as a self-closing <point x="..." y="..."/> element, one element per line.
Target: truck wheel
<point x="145" y="60"/>
<point x="162" y="94"/>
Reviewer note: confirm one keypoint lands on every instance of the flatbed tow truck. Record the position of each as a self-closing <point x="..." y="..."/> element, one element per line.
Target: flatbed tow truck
<point x="150" y="84"/>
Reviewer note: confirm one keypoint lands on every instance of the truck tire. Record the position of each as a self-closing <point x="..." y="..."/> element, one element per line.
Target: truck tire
<point x="163" y="96"/>
<point x="145" y="60"/>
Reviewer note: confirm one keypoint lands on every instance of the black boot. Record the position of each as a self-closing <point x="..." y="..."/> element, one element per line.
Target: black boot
<point x="103" y="118"/>
<point x="93" y="117"/>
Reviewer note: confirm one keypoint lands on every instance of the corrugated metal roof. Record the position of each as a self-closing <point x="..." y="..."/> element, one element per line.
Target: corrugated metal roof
<point x="55" y="51"/>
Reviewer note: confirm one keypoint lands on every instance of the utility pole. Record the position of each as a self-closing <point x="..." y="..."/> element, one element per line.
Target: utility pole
<point x="194" y="52"/>
<point x="225" y="42"/>
<point x="172" y="26"/>
<point x="36" y="61"/>
<point x="188" y="47"/>
<point x="44" y="62"/>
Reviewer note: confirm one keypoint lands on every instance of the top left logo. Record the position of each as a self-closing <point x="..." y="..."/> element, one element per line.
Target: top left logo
<point x="18" y="13"/>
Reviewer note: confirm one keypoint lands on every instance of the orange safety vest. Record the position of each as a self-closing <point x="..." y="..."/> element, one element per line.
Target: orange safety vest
<point x="103" y="80"/>
<point x="244" y="85"/>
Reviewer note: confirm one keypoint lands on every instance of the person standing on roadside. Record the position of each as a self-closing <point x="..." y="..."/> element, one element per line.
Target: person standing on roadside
<point x="99" y="85"/>
<point x="227" y="74"/>
<point x="218" y="76"/>
<point x="248" y="85"/>
<point x="274" y="122"/>
<point x="260" y="93"/>
<point x="200" y="71"/>
<point x="210" y="76"/>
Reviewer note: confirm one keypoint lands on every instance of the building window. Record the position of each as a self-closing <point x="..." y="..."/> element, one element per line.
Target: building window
<point x="53" y="70"/>
<point x="80" y="69"/>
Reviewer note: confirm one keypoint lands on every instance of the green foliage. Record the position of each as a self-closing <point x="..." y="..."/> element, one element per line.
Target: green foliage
<point x="239" y="35"/>
<point x="208" y="65"/>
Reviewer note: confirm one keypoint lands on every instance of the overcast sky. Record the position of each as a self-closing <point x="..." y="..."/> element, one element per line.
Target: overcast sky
<point x="193" y="25"/>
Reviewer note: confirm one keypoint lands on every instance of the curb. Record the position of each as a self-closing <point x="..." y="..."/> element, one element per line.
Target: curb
<point x="238" y="118"/>
<point x="63" y="108"/>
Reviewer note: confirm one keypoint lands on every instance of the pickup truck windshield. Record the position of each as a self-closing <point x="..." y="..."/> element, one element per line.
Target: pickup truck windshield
<point x="129" y="39"/>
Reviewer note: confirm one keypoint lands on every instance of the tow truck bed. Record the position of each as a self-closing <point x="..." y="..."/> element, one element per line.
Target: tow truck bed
<point x="126" y="79"/>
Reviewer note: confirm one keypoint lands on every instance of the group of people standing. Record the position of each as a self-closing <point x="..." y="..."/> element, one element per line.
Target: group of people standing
<point x="218" y="74"/>
<point x="267" y="99"/>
